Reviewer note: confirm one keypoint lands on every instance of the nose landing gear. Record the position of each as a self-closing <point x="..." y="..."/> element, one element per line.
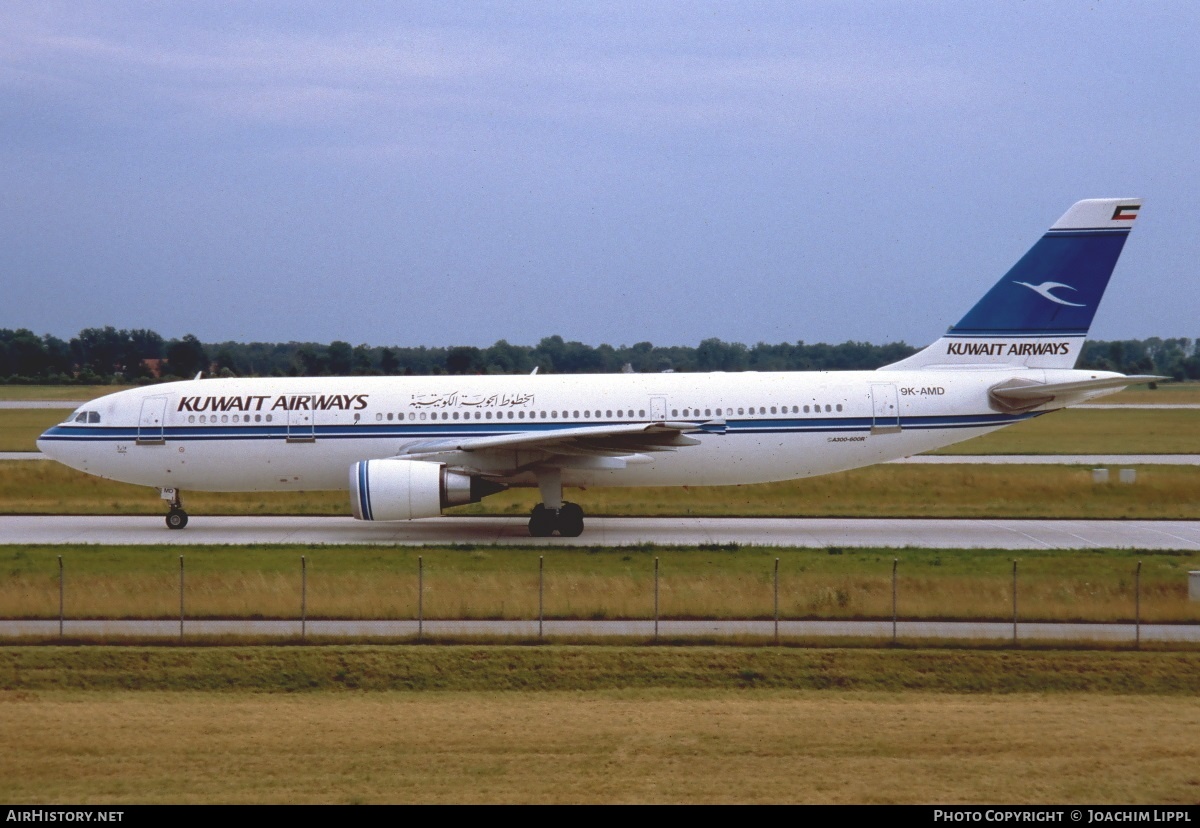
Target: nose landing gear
<point x="177" y="518"/>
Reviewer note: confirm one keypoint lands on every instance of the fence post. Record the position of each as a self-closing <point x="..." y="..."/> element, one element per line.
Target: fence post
<point x="656" y="600"/>
<point x="1014" y="590"/>
<point x="420" y="596"/>
<point x="60" y="597"/>
<point x="777" y="601"/>
<point x="181" y="597"/>
<point x="303" y="597"/>
<point x="541" y="591"/>
<point x="895" y="564"/>
<point x="1137" y="607"/>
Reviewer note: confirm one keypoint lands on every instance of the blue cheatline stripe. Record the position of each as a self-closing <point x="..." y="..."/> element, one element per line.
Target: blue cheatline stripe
<point x="364" y="496"/>
<point x="1088" y="231"/>
<point x="464" y="431"/>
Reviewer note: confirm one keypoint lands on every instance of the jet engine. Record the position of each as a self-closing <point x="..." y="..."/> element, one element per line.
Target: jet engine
<point x="407" y="489"/>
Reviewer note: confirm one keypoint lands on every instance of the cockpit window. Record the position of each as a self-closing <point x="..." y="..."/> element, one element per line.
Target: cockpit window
<point x="85" y="417"/>
<point x="93" y="416"/>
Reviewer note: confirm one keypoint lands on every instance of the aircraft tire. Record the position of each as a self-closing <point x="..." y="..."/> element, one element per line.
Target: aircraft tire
<point x="570" y="520"/>
<point x="177" y="519"/>
<point x="541" y="522"/>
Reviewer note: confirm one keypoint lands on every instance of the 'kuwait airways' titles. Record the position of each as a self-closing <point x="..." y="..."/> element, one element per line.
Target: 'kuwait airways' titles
<point x="1014" y="348"/>
<point x="293" y="402"/>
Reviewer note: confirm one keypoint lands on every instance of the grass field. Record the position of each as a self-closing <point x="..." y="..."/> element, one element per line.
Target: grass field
<point x="1168" y="393"/>
<point x="596" y="724"/>
<point x="71" y="395"/>
<point x="1093" y="431"/>
<point x="28" y="487"/>
<point x="348" y="724"/>
<point x="502" y="582"/>
<point x="20" y="428"/>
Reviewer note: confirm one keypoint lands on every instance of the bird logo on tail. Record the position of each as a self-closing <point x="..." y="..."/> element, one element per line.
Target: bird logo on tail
<point x="1045" y="288"/>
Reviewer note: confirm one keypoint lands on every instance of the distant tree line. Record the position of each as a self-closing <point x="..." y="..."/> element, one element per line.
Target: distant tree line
<point x="1178" y="358"/>
<point x="101" y="356"/>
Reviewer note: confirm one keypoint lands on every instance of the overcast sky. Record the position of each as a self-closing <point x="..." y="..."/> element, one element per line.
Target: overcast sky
<point x="434" y="174"/>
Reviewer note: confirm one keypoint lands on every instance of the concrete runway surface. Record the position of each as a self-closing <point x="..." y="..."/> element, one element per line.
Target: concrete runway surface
<point x="817" y="533"/>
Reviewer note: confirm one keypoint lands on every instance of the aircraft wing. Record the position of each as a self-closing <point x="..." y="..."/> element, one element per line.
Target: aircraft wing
<point x="596" y="441"/>
<point x="1019" y="397"/>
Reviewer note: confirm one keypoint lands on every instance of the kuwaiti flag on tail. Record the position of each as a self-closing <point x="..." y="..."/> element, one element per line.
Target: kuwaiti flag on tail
<point x="1038" y="314"/>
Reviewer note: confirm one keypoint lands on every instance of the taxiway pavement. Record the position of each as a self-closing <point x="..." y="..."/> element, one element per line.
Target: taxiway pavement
<point x="816" y="533"/>
<point x="643" y="629"/>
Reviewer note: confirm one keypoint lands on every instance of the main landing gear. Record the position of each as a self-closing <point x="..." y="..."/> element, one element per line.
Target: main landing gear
<point x="176" y="517"/>
<point x="552" y="514"/>
<point x="568" y="520"/>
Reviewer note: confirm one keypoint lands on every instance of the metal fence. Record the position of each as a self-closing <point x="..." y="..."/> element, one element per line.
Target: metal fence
<point x="889" y="611"/>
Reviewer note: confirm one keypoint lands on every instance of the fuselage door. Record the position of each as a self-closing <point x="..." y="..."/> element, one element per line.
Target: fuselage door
<point x="885" y="403"/>
<point x="302" y="422"/>
<point x="658" y="409"/>
<point x="150" y="422"/>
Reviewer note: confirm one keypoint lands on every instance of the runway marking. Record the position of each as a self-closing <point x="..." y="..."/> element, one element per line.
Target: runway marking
<point x="1192" y="543"/>
<point x="1004" y="528"/>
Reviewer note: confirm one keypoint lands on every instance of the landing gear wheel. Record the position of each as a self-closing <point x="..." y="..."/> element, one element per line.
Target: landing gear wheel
<point x="567" y="521"/>
<point x="177" y="519"/>
<point x="542" y="522"/>
<point x="570" y="520"/>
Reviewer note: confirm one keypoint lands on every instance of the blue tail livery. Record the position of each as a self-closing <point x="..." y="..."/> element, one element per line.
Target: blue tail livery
<point x="1038" y="314"/>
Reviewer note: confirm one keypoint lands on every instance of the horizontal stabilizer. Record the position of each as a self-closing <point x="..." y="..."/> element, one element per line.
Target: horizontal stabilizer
<point x="1023" y="395"/>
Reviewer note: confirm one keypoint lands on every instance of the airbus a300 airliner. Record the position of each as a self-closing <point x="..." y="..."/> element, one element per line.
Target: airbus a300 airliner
<point x="409" y="447"/>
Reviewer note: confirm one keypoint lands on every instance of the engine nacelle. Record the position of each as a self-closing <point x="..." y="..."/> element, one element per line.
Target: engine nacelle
<point x="407" y="489"/>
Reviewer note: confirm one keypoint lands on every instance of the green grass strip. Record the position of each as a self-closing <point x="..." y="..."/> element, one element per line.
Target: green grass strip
<point x="527" y="668"/>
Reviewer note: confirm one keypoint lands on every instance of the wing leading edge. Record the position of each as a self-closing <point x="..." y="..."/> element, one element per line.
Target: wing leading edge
<point x="593" y="441"/>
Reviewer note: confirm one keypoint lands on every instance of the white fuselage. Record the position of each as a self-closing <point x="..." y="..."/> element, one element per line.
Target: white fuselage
<point x="304" y="434"/>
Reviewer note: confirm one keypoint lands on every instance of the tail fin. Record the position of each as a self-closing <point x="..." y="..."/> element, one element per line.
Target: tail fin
<point x="1038" y="315"/>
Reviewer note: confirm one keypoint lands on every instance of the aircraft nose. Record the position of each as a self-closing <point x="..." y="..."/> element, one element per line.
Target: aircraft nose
<point x="47" y="446"/>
